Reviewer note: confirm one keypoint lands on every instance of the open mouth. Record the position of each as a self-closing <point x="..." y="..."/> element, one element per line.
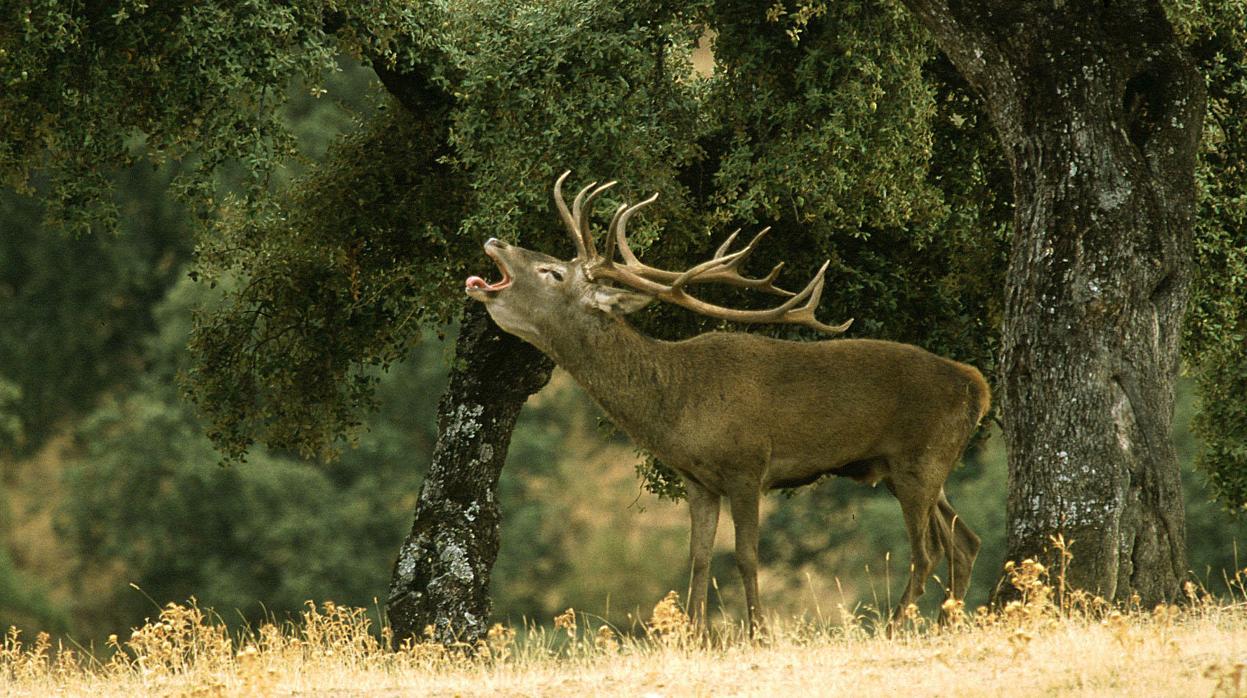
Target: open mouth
<point x="476" y="283"/>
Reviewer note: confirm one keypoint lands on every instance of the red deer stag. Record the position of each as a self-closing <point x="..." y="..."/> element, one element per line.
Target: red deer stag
<point x="738" y="414"/>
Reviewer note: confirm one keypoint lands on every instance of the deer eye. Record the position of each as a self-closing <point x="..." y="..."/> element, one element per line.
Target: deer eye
<point x="558" y="275"/>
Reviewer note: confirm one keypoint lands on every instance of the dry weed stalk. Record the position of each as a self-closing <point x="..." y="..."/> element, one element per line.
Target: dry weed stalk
<point x="180" y="639"/>
<point x="1035" y="606"/>
<point x="17" y="663"/>
<point x="669" y="623"/>
<point x="953" y="612"/>
<point x="500" y="642"/>
<point x="566" y="621"/>
<point x="606" y="641"/>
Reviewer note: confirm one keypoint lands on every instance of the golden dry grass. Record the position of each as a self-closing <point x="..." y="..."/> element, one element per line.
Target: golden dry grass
<point x="1042" y="645"/>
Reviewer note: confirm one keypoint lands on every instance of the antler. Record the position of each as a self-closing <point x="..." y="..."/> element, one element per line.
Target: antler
<point x="577" y="219"/>
<point x="723" y="267"/>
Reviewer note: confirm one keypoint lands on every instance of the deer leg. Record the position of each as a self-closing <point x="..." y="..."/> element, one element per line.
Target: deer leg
<point x="962" y="548"/>
<point x="745" y="521"/>
<point x="703" y="507"/>
<point x="917" y="507"/>
<point x="944" y="540"/>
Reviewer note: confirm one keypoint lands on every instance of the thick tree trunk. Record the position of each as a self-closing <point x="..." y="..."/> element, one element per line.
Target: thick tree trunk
<point x="441" y="577"/>
<point x="1099" y="111"/>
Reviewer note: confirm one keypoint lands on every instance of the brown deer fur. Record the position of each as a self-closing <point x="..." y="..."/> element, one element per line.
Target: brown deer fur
<point x="738" y="414"/>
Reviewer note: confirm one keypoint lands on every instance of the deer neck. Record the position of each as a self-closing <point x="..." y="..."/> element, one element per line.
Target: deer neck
<point x="630" y="376"/>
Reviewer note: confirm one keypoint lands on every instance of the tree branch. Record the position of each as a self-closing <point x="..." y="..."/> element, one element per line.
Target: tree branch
<point x="412" y="89"/>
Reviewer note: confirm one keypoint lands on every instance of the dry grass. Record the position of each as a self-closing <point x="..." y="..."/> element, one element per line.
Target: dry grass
<point x="1049" y="643"/>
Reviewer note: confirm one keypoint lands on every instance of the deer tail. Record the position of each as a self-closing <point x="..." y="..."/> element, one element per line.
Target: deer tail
<point x="980" y="396"/>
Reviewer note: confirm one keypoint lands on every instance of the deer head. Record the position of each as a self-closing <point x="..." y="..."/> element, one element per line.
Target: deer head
<point x="539" y="294"/>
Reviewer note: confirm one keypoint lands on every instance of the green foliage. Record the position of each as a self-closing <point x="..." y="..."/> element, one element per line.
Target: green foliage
<point x="833" y="131"/>
<point x="576" y="84"/>
<point x="1216" y="327"/>
<point x="202" y="83"/>
<point x="371" y="247"/>
<point x="660" y="479"/>
<point x="11" y="431"/>
<point x="74" y="308"/>
<point x="339" y="279"/>
<point x="859" y="144"/>
<point x="24" y="601"/>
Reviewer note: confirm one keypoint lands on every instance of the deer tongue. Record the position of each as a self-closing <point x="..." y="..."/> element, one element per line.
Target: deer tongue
<point x="479" y="283"/>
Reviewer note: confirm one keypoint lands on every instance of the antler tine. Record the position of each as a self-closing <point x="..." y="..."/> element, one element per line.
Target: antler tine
<point x="577" y="204"/>
<point x="768" y="281"/>
<point x="709" y="266"/>
<point x="805" y="314"/>
<point x="756" y="239"/>
<point x="727" y="243"/>
<point x="608" y="251"/>
<point x="619" y="228"/>
<point x="581" y="211"/>
<point x="568" y="219"/>
<point x="731" y="267"/>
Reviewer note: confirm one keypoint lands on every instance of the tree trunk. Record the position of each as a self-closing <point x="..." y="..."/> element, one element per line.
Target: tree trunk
<point x="441" y="577"/>
<point x="1099" y="111"/>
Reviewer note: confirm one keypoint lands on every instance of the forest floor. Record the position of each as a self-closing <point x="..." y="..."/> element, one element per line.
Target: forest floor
<point x="1043" y="644"/>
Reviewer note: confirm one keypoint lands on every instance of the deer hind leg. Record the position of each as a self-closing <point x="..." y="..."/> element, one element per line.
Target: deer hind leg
<point x="961" y="547"/>
<point x="745" y="521"/>
<point x="703" y="507"/>
<point x="918" y="503"/>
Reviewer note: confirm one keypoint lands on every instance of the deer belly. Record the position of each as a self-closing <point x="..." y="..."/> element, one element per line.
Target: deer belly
<point x="707" y="478"/>
<point x="865" y="470"/>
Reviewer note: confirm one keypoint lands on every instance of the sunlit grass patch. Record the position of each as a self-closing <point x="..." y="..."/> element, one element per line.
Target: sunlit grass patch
<point x="1048" y="641"/>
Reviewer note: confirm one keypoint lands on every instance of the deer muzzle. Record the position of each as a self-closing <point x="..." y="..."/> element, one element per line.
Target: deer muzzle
<point x="478" y="287"/>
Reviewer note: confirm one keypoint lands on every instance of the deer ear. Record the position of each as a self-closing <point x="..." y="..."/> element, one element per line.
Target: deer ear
<point x="616" y="301"/>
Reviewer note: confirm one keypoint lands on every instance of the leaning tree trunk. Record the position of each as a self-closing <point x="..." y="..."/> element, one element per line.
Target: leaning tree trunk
<point x="441" y="578"/>
<point x="1099" y="111"/>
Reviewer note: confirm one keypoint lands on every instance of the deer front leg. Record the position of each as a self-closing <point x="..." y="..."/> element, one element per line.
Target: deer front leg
<point x="745" y="520"/>
<point x="703" y="508"/>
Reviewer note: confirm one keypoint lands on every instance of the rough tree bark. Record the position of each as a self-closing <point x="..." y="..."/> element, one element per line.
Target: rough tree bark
<point x="1099" y="111"/>
<point x="441" y="577"/>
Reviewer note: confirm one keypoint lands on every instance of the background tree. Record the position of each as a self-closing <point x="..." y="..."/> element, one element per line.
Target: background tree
<point x="1099" y="112"/>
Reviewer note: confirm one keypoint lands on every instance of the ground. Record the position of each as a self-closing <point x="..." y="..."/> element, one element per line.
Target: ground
<point x="1043" y="645"/>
